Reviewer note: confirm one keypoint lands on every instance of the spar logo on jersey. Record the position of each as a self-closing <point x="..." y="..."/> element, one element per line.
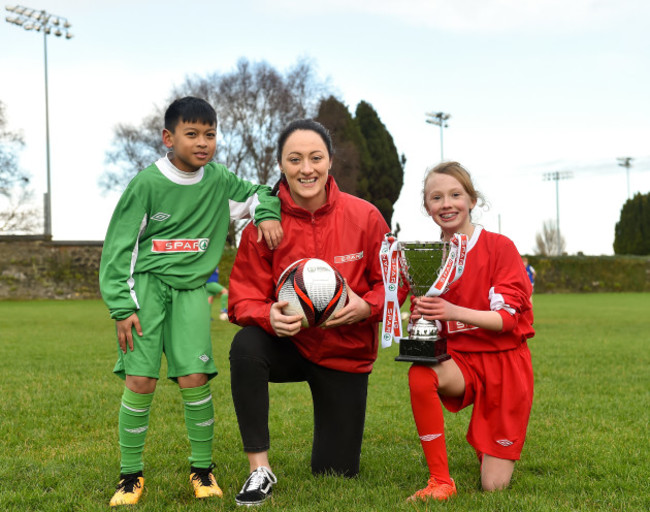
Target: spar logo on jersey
<point x="454" y="326"/>
<point x="348" y="257"/>
<point x="180" y="245"/>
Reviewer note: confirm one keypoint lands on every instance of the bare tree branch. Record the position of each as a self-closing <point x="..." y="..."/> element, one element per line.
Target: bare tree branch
<point x="550" y="241"/>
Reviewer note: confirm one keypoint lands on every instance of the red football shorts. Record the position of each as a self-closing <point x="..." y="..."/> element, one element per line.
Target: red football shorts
<point x="500" y="385"/>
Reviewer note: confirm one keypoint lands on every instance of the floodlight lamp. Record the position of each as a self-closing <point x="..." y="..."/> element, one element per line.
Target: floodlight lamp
<point x="67" y="24"/>
<point x="55" y="21"/>
<point x="47" y="30"/>
<point x="28" y="26"/>
<point x="19" y="9"/>
<point x="10" y="8"/>
<point x="58" y="32"/>
<point x="68" y="35"/>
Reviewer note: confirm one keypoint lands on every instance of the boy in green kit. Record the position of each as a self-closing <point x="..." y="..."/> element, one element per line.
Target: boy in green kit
<point x="164" y="240"/>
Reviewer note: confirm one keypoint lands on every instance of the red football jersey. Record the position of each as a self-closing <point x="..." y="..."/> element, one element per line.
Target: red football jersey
<point x="494" y="279"/>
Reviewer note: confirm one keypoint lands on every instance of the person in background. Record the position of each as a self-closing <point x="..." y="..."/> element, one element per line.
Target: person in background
<point x="487" y="318"/>
<point x="214" y="288"/>
<point x="530" y="270"/>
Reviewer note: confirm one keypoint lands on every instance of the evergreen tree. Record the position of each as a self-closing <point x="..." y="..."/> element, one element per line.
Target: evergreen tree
<point x="632" y="231"/>
<point x="351" y="157"/>
<point x="382" y="181"/>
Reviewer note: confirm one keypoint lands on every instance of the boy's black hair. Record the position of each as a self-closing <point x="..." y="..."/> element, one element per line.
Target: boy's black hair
<point x="190" y="110"/>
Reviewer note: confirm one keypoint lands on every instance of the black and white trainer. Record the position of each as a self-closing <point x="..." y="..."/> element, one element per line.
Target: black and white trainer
<point x="257" y="488"/>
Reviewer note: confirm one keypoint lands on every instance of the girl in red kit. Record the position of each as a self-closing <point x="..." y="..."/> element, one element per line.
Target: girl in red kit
<point x="487" y="318"/>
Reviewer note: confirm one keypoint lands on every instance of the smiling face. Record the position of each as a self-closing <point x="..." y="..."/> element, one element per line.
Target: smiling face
<point x="193" y="144"/>
<point x="449" y="204"/>
<point x="305" y="162"/>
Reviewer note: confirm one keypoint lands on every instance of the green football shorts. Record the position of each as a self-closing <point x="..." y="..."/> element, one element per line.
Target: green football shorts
<point x="174" y="322"/>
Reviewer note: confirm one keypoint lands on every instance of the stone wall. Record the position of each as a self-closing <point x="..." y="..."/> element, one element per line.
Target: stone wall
<point x="35" y="268"/>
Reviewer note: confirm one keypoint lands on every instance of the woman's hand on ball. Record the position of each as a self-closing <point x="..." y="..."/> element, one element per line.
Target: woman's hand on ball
<point x="284" y="325"/>
<point x="353" y="312"/>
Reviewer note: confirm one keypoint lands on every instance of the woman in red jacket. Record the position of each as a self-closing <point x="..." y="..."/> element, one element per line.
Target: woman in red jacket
<point x="487" y="318"/>
<point x="319" y="221"/>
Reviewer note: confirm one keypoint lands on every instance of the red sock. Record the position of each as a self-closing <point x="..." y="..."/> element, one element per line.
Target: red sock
<point x="427" y="411"/>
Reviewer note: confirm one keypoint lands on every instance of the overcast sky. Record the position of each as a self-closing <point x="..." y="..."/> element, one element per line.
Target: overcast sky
<point x="532" y="86"/>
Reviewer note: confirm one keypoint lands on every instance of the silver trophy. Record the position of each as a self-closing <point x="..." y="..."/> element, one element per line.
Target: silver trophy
<point x="421" y="262"/>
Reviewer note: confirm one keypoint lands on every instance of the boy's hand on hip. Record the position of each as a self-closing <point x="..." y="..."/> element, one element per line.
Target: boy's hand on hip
<point x="125" y="331"/>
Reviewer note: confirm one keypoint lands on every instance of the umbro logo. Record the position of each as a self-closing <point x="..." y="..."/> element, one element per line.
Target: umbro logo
<point x="505" y="442"/>
<point x="204" y="358"/>
<point x="430" y="437"/>
<point x="138" y="430"/>
<point x="160" y="216"/>
<point x="205" y="423"/>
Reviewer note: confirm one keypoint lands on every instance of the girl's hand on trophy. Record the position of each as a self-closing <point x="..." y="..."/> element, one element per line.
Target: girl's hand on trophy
<point x="415" y="313"/>
<point x="434" y="308"/>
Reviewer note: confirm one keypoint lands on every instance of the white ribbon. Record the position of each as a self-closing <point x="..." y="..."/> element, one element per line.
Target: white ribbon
<point x="392" y="320"/>
<point x="453" y="267"/>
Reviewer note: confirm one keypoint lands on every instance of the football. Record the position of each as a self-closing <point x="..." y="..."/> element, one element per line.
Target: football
<point x="313" y="289"/>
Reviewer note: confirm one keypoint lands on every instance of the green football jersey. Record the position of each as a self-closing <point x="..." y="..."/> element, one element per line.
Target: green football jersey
<point x="173" y="225"/>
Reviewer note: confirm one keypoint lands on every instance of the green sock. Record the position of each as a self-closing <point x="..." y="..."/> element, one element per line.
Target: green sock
<point x="224" y="302"/>
<point x="133" y="425"/>
<point x="199" y="420"/>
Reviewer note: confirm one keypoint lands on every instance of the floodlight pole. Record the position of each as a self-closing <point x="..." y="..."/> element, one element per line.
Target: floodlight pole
<point x="557" y="176"/>
<point x="626" y="161"/>
<point x="32" y="19"/>
<point x="438" y="119"/>
<point x="48" y="196"/>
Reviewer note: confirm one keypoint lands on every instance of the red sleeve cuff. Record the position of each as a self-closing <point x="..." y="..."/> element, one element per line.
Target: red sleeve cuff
<point x="509" y="321"/>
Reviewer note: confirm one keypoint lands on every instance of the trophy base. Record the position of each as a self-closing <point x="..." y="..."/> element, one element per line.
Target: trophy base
<point x="424" y="351"/>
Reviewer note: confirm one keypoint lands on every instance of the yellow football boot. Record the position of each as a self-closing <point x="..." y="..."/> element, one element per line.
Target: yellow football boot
<point x="204" y="483"/>
<point x="129" y="490"/>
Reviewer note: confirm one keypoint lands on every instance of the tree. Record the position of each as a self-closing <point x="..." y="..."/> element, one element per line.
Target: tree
<point x="382" y="181"/>
<point x="366" y="163"/>
<point x="253" y="102"/>
<point x="632" y="231"/>
<point x="550" y="241"/>
<point x="133" y="149"/>
<point x="17" y="214"/>
<point x="10" y="144"/>
<point x="351" y="157"/>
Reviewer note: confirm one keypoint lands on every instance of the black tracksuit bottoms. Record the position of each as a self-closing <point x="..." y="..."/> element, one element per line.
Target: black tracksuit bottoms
<point x="257" y="358"/>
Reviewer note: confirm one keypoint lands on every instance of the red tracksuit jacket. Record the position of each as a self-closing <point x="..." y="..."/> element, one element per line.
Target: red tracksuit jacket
<point x="347" y="233"/>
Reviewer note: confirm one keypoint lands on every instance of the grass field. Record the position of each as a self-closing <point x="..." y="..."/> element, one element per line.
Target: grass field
<point x="588" y="445"/>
